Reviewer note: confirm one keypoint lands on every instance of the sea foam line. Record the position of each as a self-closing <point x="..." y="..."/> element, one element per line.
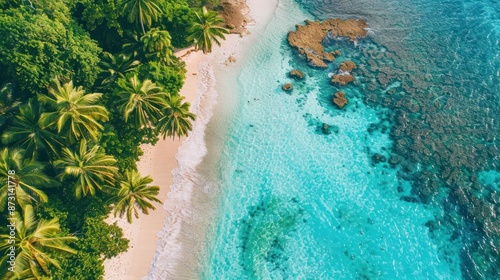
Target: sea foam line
<point x="190" y="202"/>
<point x="184" y="227"/>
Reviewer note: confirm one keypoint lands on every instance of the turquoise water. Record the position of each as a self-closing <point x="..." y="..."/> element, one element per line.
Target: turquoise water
<point x="299" y="204"/>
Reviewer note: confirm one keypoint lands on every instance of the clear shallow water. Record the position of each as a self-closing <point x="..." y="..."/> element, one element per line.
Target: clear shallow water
<point x="298" y="204"/>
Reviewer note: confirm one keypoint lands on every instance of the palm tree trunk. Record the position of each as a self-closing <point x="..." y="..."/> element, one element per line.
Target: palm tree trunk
<point x="142" y="25"/>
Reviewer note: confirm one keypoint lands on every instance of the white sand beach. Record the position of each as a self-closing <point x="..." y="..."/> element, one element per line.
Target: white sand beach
<point x="156" y="162"/>
<point x="159" y="238"/>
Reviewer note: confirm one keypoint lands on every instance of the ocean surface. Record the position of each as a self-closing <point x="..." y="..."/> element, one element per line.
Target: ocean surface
<point x="406" y="185"/>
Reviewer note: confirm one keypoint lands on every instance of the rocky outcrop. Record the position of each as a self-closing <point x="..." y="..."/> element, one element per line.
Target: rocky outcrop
<point x="340" y="100"/>
<point x="287" y="87"/>
<point x="308" y="39"/>
<point x="347" y="66"/>
<point x="236" y="15"/>
<point x="296" y="74"/>
<point x="342" y="79"/>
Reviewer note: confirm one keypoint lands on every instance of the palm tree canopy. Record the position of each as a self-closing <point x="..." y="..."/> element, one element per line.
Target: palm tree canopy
<point x="142" y="101"/>
<point x="132" y="45"/>
<point x="144" y="12"/>
<point x="91" y="167"/>
<point x="114" y="67"/>
<point x="26" y="133"/>
<point x="157" y="45"/>
<point x="8" y="103"/>
<point x="75" y="114"/>
<point x="206" y="29"/>
<point x="25" y="175"/>
<point x="176" y="120"/>
<point x="37" y="242"/>
<point x="135" y="194"/>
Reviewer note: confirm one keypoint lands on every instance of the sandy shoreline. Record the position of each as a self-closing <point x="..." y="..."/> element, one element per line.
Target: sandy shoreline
<point x="162" y="244"/>
<point x="156" y="162"/>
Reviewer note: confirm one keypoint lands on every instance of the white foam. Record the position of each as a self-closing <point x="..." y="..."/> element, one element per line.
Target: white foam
<point x="190" y="204"/>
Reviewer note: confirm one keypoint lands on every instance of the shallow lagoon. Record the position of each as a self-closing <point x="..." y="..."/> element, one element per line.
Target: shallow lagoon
<point x="298" y="204"/>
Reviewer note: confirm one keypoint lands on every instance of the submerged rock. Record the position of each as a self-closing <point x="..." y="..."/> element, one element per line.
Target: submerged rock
<point x="377" y="158"/>
<point x="340" y="100"/>
<point x="308" y="39"/>
<point x="296" y="74"/>
<point x="325" y="128"/>
<point x="287" y="87"/>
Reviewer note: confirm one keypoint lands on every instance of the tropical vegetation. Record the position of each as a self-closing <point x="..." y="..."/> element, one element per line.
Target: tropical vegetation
<point x="135" y="194"/>
<point x="83" y="85"/>
<point x="206" y="29"/>
<point x="36" y="239"/>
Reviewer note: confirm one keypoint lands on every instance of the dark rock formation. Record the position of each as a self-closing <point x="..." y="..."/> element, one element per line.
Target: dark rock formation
<point x="395" y="160"/>
<point x="296" y="74"/>
<point x="378" y="158"/>
<point x="325" y="128"/>
<point x="308" y="39"/>
<point x="287" y="87"/>
<point x="329" y="128"/>
<point x="340" y="100"/>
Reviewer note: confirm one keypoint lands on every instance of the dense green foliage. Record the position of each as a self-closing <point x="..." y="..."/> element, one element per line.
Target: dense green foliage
<point x="36" y="239"/>
<point x="28" y="179"/>
<point x="26" y="133"/>
<point x="177" y="19"/>
<point x="84" y="84"/>
<point x="36" y="48"/>
<point x="72" y="112"/>
<point x="91" y="168"/>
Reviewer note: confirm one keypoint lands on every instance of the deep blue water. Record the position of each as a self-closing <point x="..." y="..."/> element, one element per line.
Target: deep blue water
<point x="298" y="204"/>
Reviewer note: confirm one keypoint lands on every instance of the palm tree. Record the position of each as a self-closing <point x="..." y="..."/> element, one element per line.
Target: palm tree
<point x="75" y="114"/>
<point x="157" y="45"/>
<point x="8" y="103"/>
<point x="114" y="67"/>
<point x="132" y="45"/>
<point x="135" y="194"/>
<point x="141" y="11"/>
<point x="207" y="29"/>
<point x="91" y="167"/>
<point x="22" y="178"/>
<point x="176" y="120"/>
<point x="142" y="101"/>
<point x="26" y="133"/>
<point x="37" y="242"/>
